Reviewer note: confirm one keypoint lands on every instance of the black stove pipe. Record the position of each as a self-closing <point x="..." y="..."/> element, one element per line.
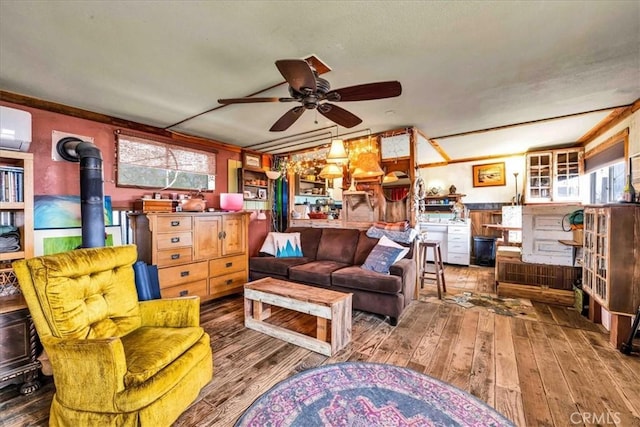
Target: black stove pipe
<point x="91" y="188"/>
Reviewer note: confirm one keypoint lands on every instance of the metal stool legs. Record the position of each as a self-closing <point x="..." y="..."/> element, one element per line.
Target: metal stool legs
<point x="438" y="267"/>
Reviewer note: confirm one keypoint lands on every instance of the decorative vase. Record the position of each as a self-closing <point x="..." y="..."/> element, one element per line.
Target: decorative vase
<point x="629" y="193"/>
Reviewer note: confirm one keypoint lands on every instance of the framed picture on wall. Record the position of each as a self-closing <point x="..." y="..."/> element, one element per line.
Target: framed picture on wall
<point x="489" y="175"/>
<point x="252" y="160"/>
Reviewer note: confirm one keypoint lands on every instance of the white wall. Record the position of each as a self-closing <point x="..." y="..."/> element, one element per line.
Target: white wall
<point x="460" y="175"/>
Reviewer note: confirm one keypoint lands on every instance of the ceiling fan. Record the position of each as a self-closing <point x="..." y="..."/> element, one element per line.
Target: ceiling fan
<point x="313" y="92"/>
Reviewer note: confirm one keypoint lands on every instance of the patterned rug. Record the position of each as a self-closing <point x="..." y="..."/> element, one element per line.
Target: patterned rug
<point x="356" y="394"/>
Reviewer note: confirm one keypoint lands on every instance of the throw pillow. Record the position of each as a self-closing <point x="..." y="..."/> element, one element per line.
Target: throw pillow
<point x="385" y="241"/>
<point x="381" y="258"/>
<point x="287" y="245"/>
<point x="269" y="247"/>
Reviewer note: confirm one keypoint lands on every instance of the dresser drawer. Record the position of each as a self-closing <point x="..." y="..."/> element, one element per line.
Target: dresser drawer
<point x="227" y="282"/>
<point x="458" y="247"/>
<point x="174" y="256"/>
<point x="171" y="276"/>
<point x="458" y="238"/>
<point x="173" y="223"/>
<point x="461" y="259"/>
<point x="456" y="229"/>
<point x="221" y="266"/>
<point x="178" y="239"/>
<point x="194" y="288"/>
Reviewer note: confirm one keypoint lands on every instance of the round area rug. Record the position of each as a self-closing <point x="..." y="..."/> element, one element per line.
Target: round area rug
<point x="367" y="395"/>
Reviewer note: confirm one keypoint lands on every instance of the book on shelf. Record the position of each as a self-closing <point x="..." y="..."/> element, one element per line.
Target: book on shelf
<point x="11" y="184"/>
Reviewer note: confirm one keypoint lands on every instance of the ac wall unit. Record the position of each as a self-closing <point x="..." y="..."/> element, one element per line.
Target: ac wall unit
<point x="15" y="129"/>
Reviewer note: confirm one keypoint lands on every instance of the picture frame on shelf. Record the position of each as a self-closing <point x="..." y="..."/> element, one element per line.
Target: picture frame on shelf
<point x="489" y="175"/>
<point x="248" y="195"/>
<point x="262" y="193"/>
<point x="252" y="160"/>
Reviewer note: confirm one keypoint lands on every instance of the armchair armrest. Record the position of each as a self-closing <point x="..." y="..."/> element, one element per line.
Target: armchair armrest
<point x="171" y="312"/>
<point x="88" y="373"/>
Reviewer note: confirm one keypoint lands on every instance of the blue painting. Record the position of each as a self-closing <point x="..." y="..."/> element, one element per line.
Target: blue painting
<point x="63" y="212"/>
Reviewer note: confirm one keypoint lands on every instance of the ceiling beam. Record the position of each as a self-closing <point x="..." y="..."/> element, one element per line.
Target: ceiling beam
<point x="530" y="122"/>
<point x="608" y="122"/>
<point x="436" y="146"/>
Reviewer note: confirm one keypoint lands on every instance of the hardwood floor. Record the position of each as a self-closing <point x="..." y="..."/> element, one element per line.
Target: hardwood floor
<point x="557" y="371"/>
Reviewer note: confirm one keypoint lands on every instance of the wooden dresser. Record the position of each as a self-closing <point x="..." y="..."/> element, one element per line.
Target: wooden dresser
<point x="204" y="254"/>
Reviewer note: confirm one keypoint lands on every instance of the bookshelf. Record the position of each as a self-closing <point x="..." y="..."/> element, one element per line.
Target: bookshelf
<point x="19" y="364"/>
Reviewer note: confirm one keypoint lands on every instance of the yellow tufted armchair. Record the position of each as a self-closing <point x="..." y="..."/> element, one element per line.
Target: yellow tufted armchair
<point x="116" y="361"/>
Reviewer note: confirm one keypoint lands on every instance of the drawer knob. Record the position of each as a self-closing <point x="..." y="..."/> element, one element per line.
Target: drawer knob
<point x="175" y="256"/>
<point x="184" y="273"/>
<point x="184" y="293"/>
<point x="175" y="239"/>
<point x="229" y="281"/>
<point x="229" y="264"/>
<point x="175" y="223"/>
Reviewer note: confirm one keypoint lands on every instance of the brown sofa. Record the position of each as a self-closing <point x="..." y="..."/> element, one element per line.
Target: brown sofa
<point x="333" y="258"/>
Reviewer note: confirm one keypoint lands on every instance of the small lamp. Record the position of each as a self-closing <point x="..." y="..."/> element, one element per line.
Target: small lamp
<point x="337" y="153"/>
<point x="368" y="166"/>
<point x="390" y="177"/>
<point x="330" y="171"/>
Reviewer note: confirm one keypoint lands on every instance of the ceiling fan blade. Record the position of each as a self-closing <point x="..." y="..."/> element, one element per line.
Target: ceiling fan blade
<point x="366" y="92"/>
<point x="339" y="115"/>
<point x="287" y="119"/>
<point x="249" y="100"/>
<point x="298" y="73"/>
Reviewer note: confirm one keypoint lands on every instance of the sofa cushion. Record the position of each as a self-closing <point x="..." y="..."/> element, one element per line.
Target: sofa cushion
<point x="315" y="272"/>
<point x="309" y="240"/>
<point x="148" y="350"/>
<point x="273" y="265"/>
<point x="365" y="245"/>
<point x="354" y="277"/>
<point x="338" y="244"/>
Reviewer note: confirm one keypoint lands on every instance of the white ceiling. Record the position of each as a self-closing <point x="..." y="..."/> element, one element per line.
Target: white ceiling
<point x="464" y="66"/>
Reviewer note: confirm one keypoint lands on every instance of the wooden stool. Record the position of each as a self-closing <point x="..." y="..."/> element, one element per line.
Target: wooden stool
<point x="438" y="271"/>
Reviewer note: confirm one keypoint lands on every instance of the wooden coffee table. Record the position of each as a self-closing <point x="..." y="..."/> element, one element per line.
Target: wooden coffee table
<point x="325" y="304"/>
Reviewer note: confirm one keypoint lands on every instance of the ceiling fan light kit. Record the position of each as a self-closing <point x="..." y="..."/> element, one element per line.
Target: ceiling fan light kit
<point x="313" y="92"/>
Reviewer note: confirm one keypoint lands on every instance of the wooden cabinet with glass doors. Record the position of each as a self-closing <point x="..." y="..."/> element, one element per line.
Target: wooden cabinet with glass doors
<point x="553" y="176"/>
<point x="611" y="271"/>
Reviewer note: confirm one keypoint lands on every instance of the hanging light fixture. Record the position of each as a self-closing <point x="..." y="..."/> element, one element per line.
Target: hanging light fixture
<point x="273" y="174"/>
<point x="389" y="178"/>
<point x="330" y="171"/>
<point x="337" y="153"/>
<point x="368" y="166"/>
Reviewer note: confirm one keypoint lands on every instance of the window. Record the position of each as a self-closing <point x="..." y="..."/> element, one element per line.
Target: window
<point x="607" y="183"/>
<point x="605" y="168"/>
<point x="142" y="162"/>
